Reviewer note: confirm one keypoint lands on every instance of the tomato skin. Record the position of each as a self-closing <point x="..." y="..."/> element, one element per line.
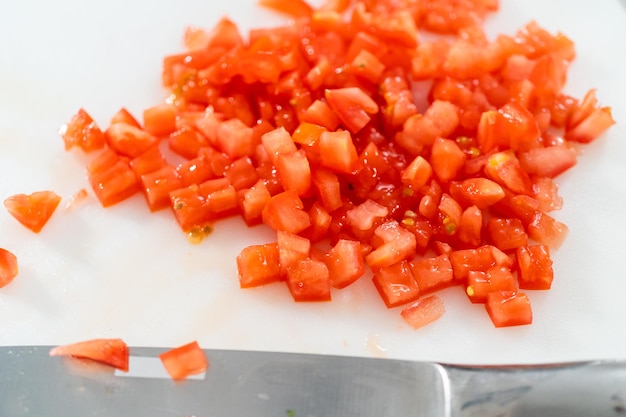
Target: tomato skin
<point x="309" y="280"/>
<point x="509" y="308"/>
<point x="82" y="131"/>
<point x="396" y="285"/>
<point x="33" y="210"/>
<point x="112" y="352"/>
<point x="534" y="267"/>
<point x="184" y="361"/>
<point x="8" y="267"/>
<point x="423" y="312"/>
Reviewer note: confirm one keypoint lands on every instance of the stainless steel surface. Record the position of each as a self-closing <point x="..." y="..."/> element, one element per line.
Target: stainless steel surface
<point x="241" y="383"/>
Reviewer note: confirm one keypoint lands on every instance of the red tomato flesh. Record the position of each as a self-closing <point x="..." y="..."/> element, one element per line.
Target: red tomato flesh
<point x="8" y="267"/>
<point x="112" y="352"/>
<point x="343" y="127"/>
<point x="184" y="361"/>
<point x="33" y="210"/>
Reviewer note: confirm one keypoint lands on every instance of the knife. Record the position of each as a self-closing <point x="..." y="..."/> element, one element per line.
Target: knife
<point x="269" y="384"/>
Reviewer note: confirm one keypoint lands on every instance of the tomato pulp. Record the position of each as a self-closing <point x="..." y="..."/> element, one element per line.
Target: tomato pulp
<point x="429" y="162"/>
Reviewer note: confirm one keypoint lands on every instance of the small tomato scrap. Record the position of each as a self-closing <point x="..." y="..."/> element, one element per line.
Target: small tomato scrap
<point x="33" y="210"/>
<point x="112" y="352"/>
<point x="8" y="267"/>
<point x="184" y="361"/>
<point x="429" y="161"/>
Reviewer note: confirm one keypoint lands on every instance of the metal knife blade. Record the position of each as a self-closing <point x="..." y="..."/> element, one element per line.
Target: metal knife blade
<point x="241" y="383"/>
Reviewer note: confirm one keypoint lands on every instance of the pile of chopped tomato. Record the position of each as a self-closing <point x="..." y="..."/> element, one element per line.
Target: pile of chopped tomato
<point x="429" y="162"/>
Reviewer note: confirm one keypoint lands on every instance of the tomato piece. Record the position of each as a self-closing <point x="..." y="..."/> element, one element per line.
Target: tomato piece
<point x="111" y="178"/>
<point x="82" y="131"/>
<point x="160" y="120"/>
<point x="184" y="361"/>
<point x="124" y="116"/>
<point x="345" y="263"/>
<point x="149" y="161"/>
<point x="398" y="244"/>
<point x="545" y="229"/>
<point x="470" y="229"/>
<point x="112" y="352"/>
<point x="367" y="66"/>
<point x="546" y="192"/>
<point x="294" y="171"/>
<point x="8" y="267"/>
<point x="440" y="120"/>
<point x="294" y="8"/>
<point x="309" y="280"/>
<point x="198" y="170"/>
<point x="338" y="153"/>
<point x="447" y="159"/>
<point x="507" y="234"/>
<point x="291" y="249"/>
<point x="548" y="161"/>
<point x="396" y="285"/>
<point x="479" y="192"/>
<point x="187" y="142"/>
<point x="432" y="273"/>
<point x="33" y="210"/>
<point x="451" y="213"/>
<point x="592" y="126"/>
<point x="352" y="106"/>
<point x="505" y="169"/>
<point x="158" y="184"/>
<point x="480" y="259"/>
<point x="423" y="312"/>
<point x="241" y="173"/>
<point x="481" y="283"/>
<point x="320" y="113"/>
<point x="509" y="308"/>
<point x="285" y="212"/>
<point x="366" y="216"/>
<point x="535" y="267"/>
<point x="254" y="201"/>
<point x="258" y="265"/>
<point x="129" y="140"/>
<point x="417" y="173"/>
<point x="278" y="142"/>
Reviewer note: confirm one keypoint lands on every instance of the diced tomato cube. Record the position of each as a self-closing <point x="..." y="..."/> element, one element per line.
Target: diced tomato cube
<point x="158" y="184"/>
<point x="160" y="120"/>
<point x="294" y="171"/>
<point x="8" y="267"/>
<point x="479" y="192"/>
<point x="366" y="216"/>
<point x="447" y="159"/>
<point x="481" y="283"/>
<point x="328" y="189"/>
<point x="432" y="273"/>
<point x="470" y="230"/>
<point x="423" y="312"/>
<point x="309" y="280"/>
<point x="258" y="265"/>
<point x="277" y="142"/>
<point x="396" y="285"/>
<point x="399" y="244"/>
<point x="545" y="229"/>
<point x="338" y="153"/>
<point x="254" y="201"/>
<point x="506" y="234"/>
<point x="149" y="161"/>
<point x="417" y="173"/>
<point x="534" y="267"/>
<point x="241" y="173"/>
<point x="82" y="131"/>
<point x="184" y="361"/>
<point x="187" y="142"/>
<point x="509" y="308"/>
<point x="345" y="263"/>
<point x="285" y="212"/>
<point x="352" y="106"/>
<point x="291" y="249"/>
<point x="111" y="178"/>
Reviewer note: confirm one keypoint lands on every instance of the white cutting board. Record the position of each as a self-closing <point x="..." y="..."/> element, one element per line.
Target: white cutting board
<point x="123" y="272"/>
